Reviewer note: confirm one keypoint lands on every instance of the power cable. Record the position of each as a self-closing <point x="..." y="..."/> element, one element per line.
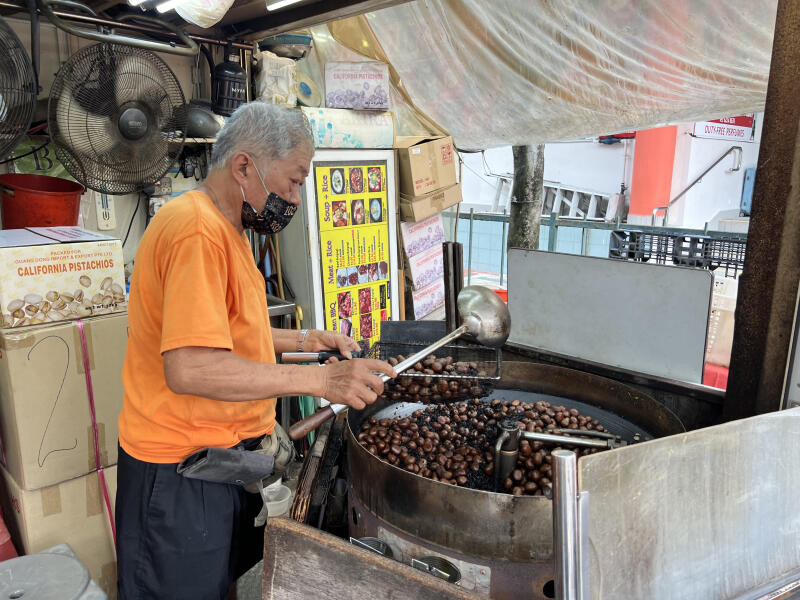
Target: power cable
<point x="133" y="216"/>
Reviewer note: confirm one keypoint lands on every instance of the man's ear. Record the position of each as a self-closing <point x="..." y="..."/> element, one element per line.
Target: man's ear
<point x="239" y="165"/>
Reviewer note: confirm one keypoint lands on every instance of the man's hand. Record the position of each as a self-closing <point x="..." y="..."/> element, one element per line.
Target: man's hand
<point x="318" y="340"/>
<point x="353" y="382"/>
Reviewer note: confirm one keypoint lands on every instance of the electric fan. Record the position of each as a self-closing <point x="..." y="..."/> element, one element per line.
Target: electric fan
<point x="17" y="90"/>
<point x="115" y="116"/>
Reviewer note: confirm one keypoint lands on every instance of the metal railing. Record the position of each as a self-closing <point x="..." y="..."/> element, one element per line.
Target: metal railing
<point x="737" y="165"/>
<point x="553" y="223"/>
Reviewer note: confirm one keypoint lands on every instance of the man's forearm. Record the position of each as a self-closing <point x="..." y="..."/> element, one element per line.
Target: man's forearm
<point x="222" y="375"/>
<point x="285" y="340"/>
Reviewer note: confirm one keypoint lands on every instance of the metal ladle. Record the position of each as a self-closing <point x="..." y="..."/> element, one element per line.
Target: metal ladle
<point x="485" y="319"/>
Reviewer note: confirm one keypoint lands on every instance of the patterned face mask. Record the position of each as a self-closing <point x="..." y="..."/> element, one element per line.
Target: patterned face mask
<point x="275" y="215"/>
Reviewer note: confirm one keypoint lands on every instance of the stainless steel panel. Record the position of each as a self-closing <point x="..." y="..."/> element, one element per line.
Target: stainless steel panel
<point x="705" y="515"/>
<point x="643" y="317"/>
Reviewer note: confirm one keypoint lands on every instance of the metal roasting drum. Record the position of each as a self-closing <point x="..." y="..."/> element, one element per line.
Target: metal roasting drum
<point x="501" y="544"/>
<point x="485" y="318"/>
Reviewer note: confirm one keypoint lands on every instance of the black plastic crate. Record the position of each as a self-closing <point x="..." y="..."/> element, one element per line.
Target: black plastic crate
<point x="700" y="252"/>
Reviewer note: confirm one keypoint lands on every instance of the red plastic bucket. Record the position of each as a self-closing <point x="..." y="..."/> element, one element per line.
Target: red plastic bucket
<point x="39" y="201"/>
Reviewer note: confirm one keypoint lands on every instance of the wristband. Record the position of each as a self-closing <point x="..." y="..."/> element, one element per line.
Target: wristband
<point x="301" y="342"/>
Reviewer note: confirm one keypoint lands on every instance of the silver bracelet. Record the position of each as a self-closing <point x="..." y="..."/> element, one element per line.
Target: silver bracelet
<point x="302" y="341"/>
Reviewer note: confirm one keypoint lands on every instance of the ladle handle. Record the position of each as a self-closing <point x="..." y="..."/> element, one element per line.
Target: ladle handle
<point x="415" y="358"/>
<point x="305" y="426"/>
<point x="309" y="424"/>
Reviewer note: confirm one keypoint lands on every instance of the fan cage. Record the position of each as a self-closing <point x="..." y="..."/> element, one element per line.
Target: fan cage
<point x="89" y="95"/>
<point x="17" y="90"/>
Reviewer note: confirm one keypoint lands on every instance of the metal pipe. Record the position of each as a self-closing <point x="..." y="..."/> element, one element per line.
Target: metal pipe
<point x="549" y="438"/>
<point x="582" y="548"/>
<point x="187" y="46"/>
<point x="131" y="26"/>
<point x="553" y="233"/>
<point x="565" y="524"/>
<point x="503" y="249"/>
<point x="506" y="450"/>
<point x="469" y="259"/>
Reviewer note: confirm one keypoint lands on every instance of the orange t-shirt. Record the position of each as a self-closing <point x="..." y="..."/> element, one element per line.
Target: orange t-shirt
<point x="194" y="283"/>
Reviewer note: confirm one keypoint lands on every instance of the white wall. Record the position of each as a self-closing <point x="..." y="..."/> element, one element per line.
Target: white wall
<point x="56" y="47"/>
<point x="719" y="190"/>
<point x="586" y="164"/>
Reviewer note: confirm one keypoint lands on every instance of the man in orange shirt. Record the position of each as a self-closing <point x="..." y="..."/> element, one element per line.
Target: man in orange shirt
<point x="200" y="366"/>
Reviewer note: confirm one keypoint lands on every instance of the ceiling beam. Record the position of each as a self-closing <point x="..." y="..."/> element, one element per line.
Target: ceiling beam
<point x="304" y="15"/>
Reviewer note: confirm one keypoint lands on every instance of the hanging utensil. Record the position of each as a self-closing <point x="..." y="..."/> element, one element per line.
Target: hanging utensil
<point x="485" y="318"/>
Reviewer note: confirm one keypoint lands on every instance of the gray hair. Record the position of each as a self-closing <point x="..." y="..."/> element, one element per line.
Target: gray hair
<point x="263" y="130"/>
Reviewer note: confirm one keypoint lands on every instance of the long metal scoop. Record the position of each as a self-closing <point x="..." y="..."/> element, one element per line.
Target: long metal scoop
<point x="485" y="319"/>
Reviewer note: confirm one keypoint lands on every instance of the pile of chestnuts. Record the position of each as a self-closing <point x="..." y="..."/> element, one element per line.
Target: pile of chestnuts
<point x="454" y="443"/>
<point x="434" y="380"/>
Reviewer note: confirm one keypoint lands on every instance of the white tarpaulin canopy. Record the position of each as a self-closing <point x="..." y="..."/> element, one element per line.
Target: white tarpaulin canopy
<point x="529" y="71"/>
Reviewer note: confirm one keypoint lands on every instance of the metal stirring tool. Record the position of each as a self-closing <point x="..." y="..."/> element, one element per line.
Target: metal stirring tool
<point x="485" y="318"/>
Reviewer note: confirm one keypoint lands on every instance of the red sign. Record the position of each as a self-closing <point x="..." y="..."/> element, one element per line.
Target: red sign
<point x="740" y="121"/>
<point x="738" y="128"/>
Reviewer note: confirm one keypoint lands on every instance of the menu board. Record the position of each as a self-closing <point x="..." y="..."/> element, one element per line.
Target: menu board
<point x="354" y="246"/>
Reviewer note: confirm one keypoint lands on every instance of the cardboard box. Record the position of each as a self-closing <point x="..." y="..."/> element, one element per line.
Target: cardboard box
<point x="50" y="274"/>
<point x="428" y="299"/>
<point x="426" y="164"/>
<point x="420" y="236"/>
<point x="419" y="208"/>
<point x="426" y="267"/>
<point x="45" y="418"/>
<point x="359" y="85"/>
<point x="73" y="512"/>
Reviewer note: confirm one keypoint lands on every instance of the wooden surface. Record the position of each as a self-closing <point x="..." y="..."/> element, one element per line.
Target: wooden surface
<point x="301" y="562"/>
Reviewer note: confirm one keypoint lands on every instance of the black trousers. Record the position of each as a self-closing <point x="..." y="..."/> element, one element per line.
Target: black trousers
<point x="181" y="538"/>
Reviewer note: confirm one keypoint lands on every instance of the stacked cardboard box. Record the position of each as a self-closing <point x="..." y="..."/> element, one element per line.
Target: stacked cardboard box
<point x="422" y="244"/>
<point x="52" y="492"/>
<point x="428" y="184"/>
<point x="50" y="274"/>
<point x="428" y="176"/>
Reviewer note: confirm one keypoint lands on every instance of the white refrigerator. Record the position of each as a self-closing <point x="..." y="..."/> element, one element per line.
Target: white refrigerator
<point x="339" y="253"/>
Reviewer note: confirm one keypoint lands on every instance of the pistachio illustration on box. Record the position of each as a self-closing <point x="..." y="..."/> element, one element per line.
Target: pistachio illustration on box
<point x="46" y="280"/>
<point x="54" y="306"/>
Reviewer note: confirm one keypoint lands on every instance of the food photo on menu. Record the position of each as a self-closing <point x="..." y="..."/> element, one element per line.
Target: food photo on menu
<point x="337" y="181"/>
<point x="372" y="270"/>
<point x="364" y="300"/>
<point x="352" y="275"/>
<point x="375" y="210"/>
<point x="357" y="208"/>
<point x="341" y="277"/>
<point x="374" y="179"/>
<point x="339" y="209"/>
<point x="356" y="180"/>
<point x="366" y="326"/>
<point x="363" y="274"/>
<point x="345" y="304"/>
<point x="345" y="326"/>
<point x="383" y="267"/>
